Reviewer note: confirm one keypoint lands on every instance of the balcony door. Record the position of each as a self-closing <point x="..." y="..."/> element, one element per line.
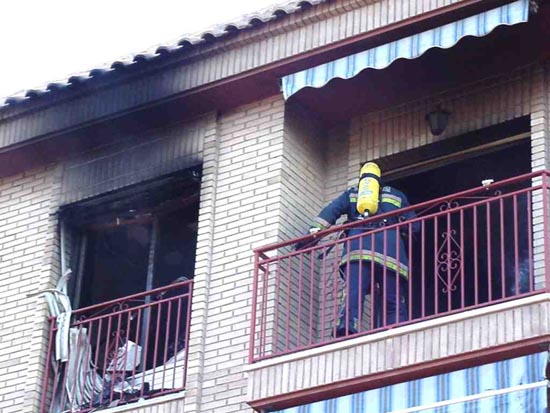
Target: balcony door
<point x="482" y="253"/>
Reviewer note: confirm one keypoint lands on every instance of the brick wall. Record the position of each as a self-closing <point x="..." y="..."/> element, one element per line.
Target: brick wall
<point x="30" y="262"/>
<point x="129" y="159"/>
<point x="28" y="258"/>
<point x="473" y="106"/>
<point x="540" y="160"/>
<point x="371" y="355"/>
<point x="262" y="183"/>
<point x="337" y="153"/>
<point x="303" y="176"/>
<point x="303" y="173"/>
<point x="240" y="210"/>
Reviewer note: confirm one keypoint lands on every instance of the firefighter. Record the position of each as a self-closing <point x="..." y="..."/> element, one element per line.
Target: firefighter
<point x="381" y="254"/>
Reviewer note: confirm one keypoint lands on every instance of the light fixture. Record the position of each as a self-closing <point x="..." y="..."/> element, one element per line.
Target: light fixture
<point x="438" y="120"/>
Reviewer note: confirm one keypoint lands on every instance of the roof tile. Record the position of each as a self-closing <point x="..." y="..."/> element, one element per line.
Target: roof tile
<point x="208" y="35"/>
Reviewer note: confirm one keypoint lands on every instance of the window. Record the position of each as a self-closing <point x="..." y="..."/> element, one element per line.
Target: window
<point x="132" y="253"/>
<point x="132" y="240"/>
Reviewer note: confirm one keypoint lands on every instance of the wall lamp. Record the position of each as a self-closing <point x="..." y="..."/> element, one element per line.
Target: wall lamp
<point x="438" y="120"/>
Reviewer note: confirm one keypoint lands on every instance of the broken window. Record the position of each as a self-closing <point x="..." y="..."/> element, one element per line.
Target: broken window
<point x="132" y="255"/>
<point x="133" y="240"/>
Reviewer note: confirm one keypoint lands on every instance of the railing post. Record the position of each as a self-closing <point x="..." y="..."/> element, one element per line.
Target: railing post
<point x="47" y="366"/>
<point x="187" y="331"/>
<point x="251" y="345"/>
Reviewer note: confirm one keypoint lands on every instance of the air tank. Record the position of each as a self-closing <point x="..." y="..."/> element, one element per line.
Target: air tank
<point x="368" y="189"/>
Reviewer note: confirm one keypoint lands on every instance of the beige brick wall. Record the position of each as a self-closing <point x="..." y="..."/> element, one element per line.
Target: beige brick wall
<point x="203" y="265"/>
<point x="28" y="258"/>
<point x="303" y="174"/>
<point x="472" y="106"/>
<point x="540" y="160"/>
<point x="240" y="210"/>
<point x="29" y="263"/>
<point x="337" y="154"/>
<point x="262" y="181"/>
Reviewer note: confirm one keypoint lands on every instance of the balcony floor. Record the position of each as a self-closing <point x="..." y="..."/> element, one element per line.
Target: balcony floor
<point x="403" y="353"/>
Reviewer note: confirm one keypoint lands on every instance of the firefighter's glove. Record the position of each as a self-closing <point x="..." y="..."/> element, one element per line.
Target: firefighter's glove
<point x="308" y="242"/>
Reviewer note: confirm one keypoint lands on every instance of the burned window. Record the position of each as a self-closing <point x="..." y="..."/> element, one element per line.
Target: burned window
<point x="133" y="240"/>
<point x="132" y="255"/>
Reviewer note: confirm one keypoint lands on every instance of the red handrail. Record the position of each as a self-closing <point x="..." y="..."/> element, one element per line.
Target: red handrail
<point x="421" y="206"/>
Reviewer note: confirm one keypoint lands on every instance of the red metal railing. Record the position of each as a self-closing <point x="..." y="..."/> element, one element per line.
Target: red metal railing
<point x="467" y="250"/>
<point x="120" y="351"/>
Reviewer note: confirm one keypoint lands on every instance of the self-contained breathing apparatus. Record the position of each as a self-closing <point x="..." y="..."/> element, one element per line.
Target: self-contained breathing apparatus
<point x="368" y="192"/>
<point x="368" y="189"/>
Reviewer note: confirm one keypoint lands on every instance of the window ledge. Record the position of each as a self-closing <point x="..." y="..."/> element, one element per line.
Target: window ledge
<point x="132" y="407"/>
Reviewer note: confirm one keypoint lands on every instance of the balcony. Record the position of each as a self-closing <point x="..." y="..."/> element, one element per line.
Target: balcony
<point x="119" y="351"/>
<point x="465" y="251"/>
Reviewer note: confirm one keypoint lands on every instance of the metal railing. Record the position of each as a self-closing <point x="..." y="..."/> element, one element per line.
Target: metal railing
<point x="467" y="250"/>
<point x="119" y="351"/>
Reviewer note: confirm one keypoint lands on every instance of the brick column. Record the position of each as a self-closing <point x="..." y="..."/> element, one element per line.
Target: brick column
<point x="540" y="160"/>
<point x="240" y="204"/>
<point x="201" y="281"/>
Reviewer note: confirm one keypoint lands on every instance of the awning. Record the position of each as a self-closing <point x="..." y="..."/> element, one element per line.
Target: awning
<point x="508" y="386"/>
<point x="407" y="48"/>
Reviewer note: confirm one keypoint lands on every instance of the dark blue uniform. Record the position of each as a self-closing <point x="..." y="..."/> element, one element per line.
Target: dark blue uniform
<point x="383" y="253"/>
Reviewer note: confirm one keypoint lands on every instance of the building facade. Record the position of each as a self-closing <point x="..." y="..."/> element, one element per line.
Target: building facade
<point x="148" y="213"/>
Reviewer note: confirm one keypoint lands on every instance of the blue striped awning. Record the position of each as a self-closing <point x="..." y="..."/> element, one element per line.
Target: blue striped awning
<point x="407" y="48"/>
<point x="508" y="386"/>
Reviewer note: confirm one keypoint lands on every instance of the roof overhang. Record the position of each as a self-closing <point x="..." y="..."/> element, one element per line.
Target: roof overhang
<point x="43" y="145"/>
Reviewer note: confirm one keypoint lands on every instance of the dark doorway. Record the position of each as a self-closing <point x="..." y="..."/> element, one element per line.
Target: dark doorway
<point x="499" y="164"/>
<point x="125" y="244"/>
<point x="116" y="263"/>
<point x="480" y="254"/>
<point x="133" y="255"/>
<point x="133" y="240"/>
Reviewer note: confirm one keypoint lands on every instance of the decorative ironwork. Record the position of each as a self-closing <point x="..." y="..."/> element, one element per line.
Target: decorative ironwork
<point x="448" y="205"/>
<point x="121" y="306"/>
<point x="453" y="203"/>
<point x="449" y="261"/>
